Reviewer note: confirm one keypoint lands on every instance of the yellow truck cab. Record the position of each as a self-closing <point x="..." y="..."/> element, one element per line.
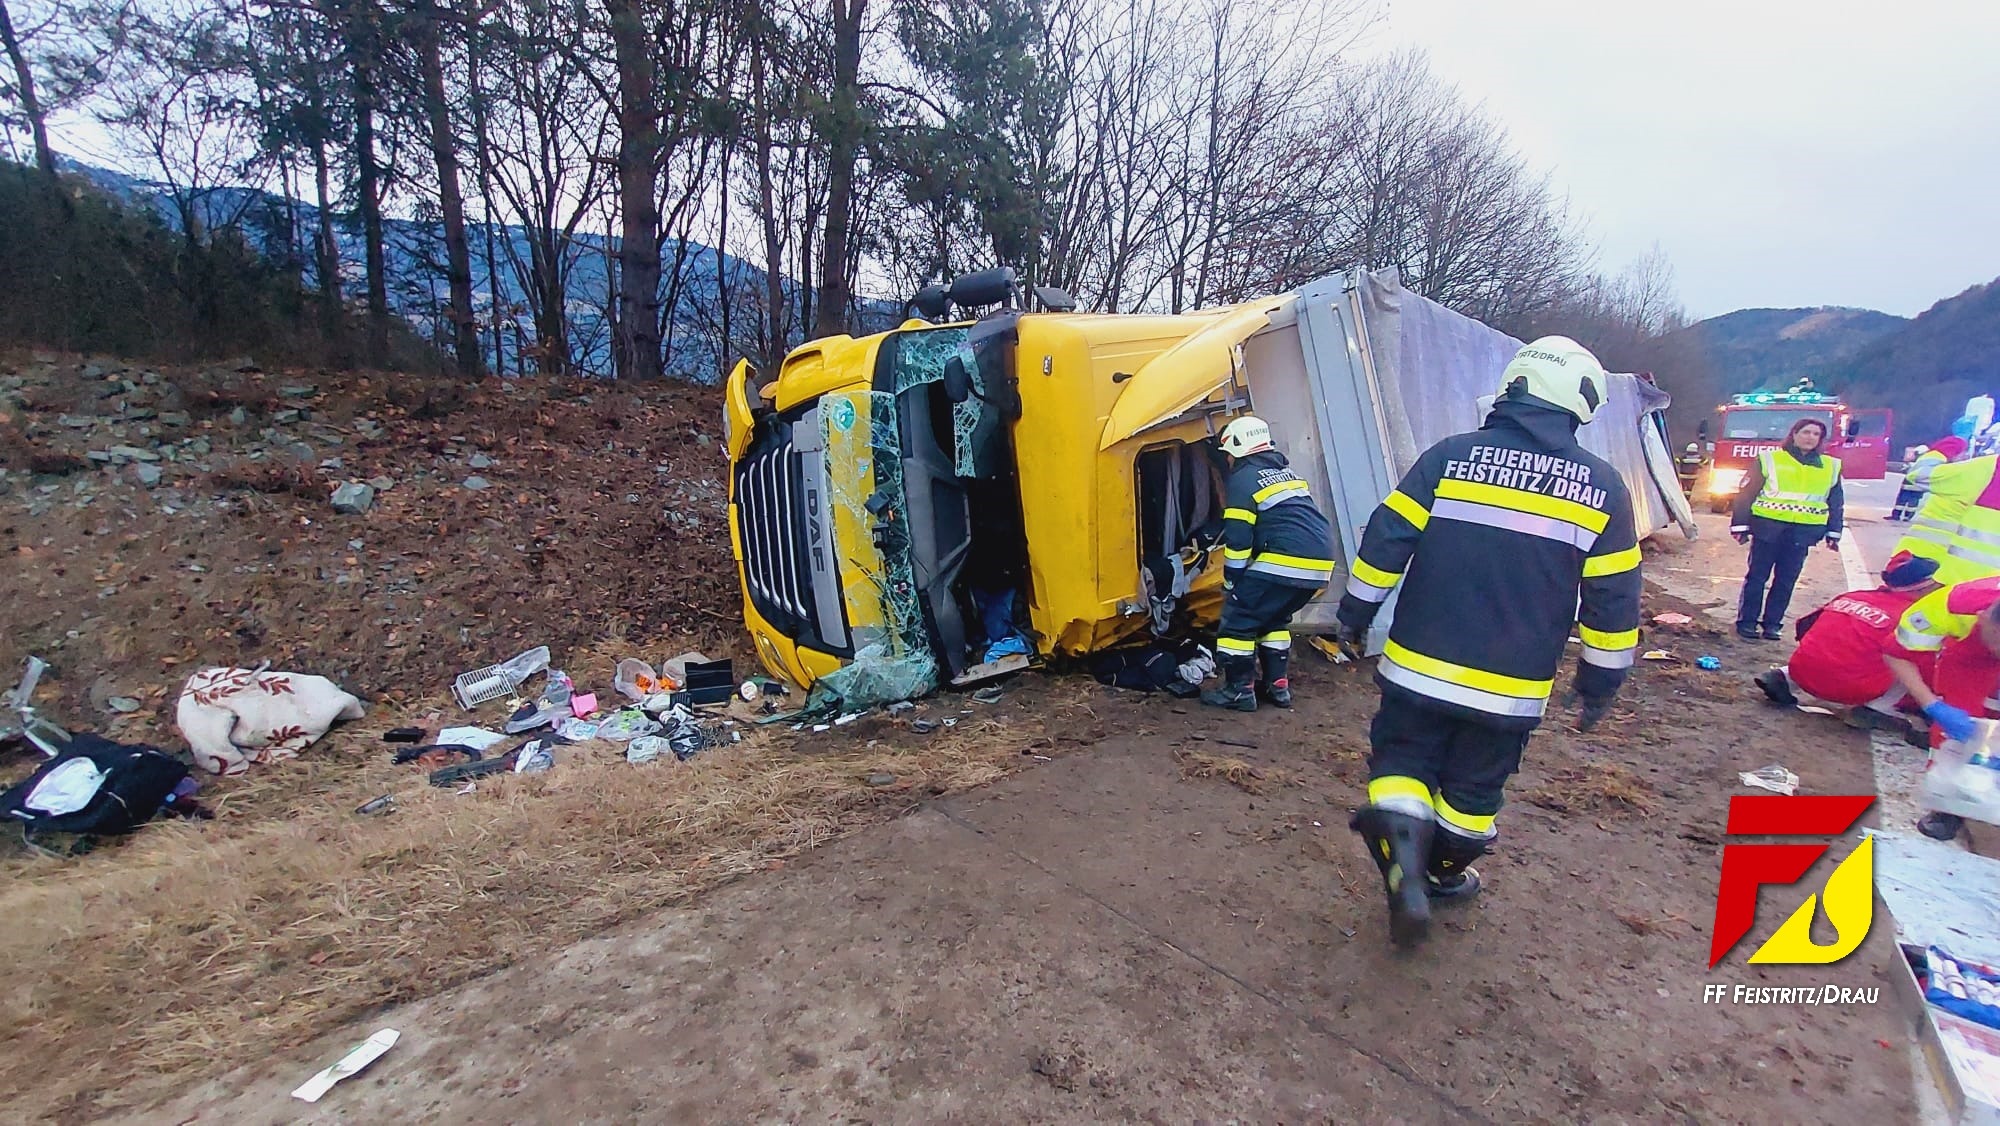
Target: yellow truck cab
<point x="884" y="488"/>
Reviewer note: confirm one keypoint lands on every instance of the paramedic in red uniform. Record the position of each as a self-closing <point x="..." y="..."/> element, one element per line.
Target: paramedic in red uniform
<point x="1961" y="625"/>
<point x="1839" y="658"/>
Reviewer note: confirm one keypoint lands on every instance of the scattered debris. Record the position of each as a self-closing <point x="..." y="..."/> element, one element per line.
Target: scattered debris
<point x="366" y="1053"/>
<point x="923" y="726"/>
<point x="646" y="748"/>
<point x="881" y="779"/>
<point x="988" y="695"/>
<point x="124" y="705"/>
<point x="477" y="483"/>
<point x="1774" y="778"/>
<point x="1672" y="619"/>
<point x="635" y="680"/>
<point x="535" y="757"/>
<point x="376" y="807"/>
<point x="478" y="738"/>
<point x="626" y="725"/>
<point x="1708" y="663"/>
<point x="495" y="681"/>
<point x="1657" y="655"/>
<point x="234" y="717"/>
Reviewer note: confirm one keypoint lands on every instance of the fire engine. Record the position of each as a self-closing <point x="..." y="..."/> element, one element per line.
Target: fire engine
<point x="1750" y="424"/>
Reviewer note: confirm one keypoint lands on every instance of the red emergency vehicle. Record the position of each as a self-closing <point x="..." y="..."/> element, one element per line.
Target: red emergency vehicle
<point x="1750" y="424"/>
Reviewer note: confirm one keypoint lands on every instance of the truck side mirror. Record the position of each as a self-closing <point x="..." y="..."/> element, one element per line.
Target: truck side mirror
<point x="1853" y="429"/>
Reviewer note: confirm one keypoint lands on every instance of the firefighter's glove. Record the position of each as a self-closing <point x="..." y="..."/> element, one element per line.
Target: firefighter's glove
<point x="1591" y="710"/>
<point x="1954" y="722"/>
<point x="1353" y="642"/>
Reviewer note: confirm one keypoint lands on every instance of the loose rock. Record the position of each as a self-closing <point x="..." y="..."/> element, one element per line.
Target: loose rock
<point x="353" y="498"/>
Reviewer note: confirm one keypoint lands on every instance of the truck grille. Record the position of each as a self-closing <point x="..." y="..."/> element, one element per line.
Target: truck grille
<point x="769" y="516"/>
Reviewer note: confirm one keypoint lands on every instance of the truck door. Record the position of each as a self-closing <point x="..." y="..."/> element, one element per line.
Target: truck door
<point x="1866" y="454"/>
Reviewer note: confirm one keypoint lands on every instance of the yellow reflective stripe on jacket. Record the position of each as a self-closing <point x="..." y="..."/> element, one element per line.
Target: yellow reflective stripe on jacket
<point x="1521" y="500"/>
<point x="1406" y="506"/>
<point x="1616" y="563"/>
<point x="1271" y="495"/>
<point x="1608" y="649"/>
<point x="1929" y="623"/>
<point x="1399" y="667"/>
<point x="1292" y="566"/>
<point x="1607" y="639"/>
<point x="1469" y="677"/>
<point x="1247" y="515"/>
<point x="1374" y="576"/>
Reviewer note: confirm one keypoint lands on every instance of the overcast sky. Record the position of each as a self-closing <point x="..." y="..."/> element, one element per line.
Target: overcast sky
<point x="1782" y="152"/>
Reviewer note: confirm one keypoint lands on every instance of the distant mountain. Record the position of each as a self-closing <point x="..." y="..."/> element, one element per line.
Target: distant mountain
<point x="1926" y="370"/>
<point x="1770" y="348"/>
<point x="1922" y="368"/>
<point x="283" y="229"/>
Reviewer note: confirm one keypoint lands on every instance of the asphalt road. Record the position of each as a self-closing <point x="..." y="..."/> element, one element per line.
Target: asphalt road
<point x="1868" y="504"/>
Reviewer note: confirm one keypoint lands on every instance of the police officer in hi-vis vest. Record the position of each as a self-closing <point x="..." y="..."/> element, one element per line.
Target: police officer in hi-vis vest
<point x="1790" y="502"/>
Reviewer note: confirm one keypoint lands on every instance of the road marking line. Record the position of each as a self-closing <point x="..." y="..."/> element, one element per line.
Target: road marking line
<point x="1856" y="567"/>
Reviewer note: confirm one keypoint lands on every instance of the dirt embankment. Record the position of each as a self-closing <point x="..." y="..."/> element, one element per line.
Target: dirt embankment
<point x="158" y="520"/>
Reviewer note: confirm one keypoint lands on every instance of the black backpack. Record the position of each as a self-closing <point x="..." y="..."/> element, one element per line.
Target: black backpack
<point x="95" y="787"/>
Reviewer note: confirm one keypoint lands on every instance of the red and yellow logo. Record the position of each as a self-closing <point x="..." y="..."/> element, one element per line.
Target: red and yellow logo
<point x="1849" y="895"/>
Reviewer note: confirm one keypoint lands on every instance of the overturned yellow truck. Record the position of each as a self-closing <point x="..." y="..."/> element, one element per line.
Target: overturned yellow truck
<point x="897" y="499"/>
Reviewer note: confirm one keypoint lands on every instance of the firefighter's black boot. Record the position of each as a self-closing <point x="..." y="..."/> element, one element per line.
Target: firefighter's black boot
<point x="1451" y="876"/>
<point x="1274" y="685"/>
<point x="1239" y="688"/>
<point x="1400" y="845"/>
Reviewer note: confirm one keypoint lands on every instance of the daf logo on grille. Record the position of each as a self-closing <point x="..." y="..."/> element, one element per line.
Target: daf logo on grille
<point x="815" y="532"/>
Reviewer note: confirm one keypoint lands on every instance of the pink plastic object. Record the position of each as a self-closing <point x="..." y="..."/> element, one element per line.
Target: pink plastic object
<point x="583" y="704"/>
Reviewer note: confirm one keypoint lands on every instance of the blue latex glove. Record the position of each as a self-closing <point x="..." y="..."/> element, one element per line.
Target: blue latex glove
<point x="1954" y="721"/>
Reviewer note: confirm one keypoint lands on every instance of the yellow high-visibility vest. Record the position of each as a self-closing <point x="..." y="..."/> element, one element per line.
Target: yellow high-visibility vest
<point x="1793" y="491"/>
<point x="1952" y="527"/>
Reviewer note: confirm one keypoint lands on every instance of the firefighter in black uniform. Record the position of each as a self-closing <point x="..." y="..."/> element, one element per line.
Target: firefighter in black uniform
<point x="1502" y="539"/>
<point x="1277" y="552"/>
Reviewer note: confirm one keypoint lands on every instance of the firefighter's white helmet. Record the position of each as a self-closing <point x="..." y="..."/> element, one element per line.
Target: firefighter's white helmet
<point x="1246" y="435"/>
<point x="1561" y="373"/>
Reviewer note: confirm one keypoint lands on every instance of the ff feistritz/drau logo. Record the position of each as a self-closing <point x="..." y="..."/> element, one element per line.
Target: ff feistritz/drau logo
<point x="1849" y="895"/>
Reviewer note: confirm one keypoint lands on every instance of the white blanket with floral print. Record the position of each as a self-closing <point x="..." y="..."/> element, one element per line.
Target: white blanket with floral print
<point x="234" y="717"/>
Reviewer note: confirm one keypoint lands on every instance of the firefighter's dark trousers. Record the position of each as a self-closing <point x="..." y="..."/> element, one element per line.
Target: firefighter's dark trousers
<point x="1258" y="612"/>
<point x="1432" y="764"/>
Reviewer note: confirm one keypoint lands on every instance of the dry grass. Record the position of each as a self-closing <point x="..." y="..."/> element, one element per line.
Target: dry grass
<point x="195" y="948"/>
<point x="1599" y="786"/>
<point x="1250" y="779"/>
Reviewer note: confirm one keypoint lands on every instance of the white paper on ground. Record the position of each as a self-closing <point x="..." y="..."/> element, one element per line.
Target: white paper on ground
<point x="478" y="738"/>
<point x="367" y="1052"/>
